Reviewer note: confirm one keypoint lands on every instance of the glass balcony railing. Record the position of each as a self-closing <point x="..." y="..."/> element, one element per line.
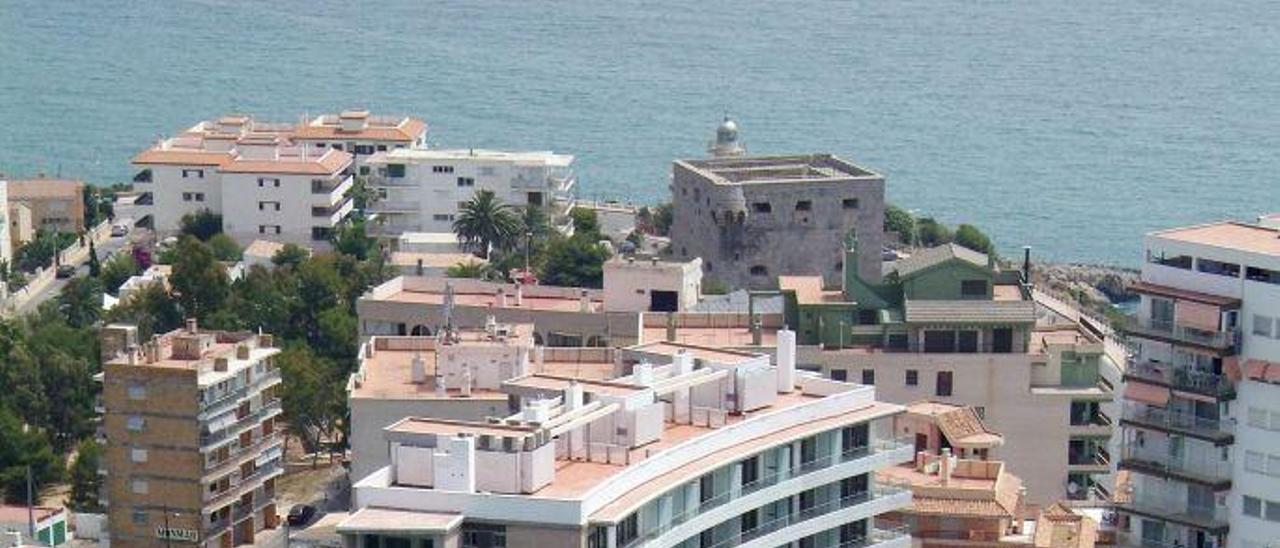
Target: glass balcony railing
<point x="880" y="490"/>
<point x="882" y="446"/>
<point x="1168" y="330"/>
<point x="1156" y="459"/>
<point x="1182" y="378"/>
<point x="1162" y="419"/>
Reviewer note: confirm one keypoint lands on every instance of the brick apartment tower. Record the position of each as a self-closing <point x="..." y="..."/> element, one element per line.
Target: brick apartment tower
<point x="193" y="438"/>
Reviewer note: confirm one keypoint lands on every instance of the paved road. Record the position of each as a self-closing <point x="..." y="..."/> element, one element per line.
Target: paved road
<point x="105" y="250"/>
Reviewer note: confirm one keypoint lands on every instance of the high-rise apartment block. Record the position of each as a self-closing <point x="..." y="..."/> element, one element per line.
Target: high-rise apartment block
<point x="1201" y="418"/>
<point x="193" y="438"/>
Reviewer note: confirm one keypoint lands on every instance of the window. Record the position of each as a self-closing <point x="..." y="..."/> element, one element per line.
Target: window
<point x="1272" y="510"/>
<point x="868" y="376"/>
<point x="913" y="377"/>
<point x="273" y="206"/>
<point x="849" y="203"/>
<point x="1263" y="275"/>
<point x="706" y="488"/>
<point x="382" y="148"/>
<point x="1210" y="266"/>
<point x="750" y="470"/>
<point x="193" y="173"/>
<point x="1262" y="325"/>
<point x="136" y="423"/>
<point x="762" y="207"/>
<point x="395" y="170"/>
<point x="321" y="233"/>
<point x="1002" y="340"/>
<point x="139" y="517"/>
<point x="320" y="145"/>
<point x="264" y="182"/>
<point x="936" y="341"/>
<point x="759" y="270"/>
<point x="750" y="520"/>
<point x="973" y="288"/>
<point x="137" y="391"/>
<point x="804" y="205"/>
<point x="980" y="411"/>
<point x="598" y="538"/>
<point x="337" y="146"/>
<point x="268" y="229"/>
<point x="628" y="529"/>
<point x="466" y="181"/>
<point x="483" y="535"/>
<point x="442" y="217"/>
<point x="199" y="196"/>
<point x="1252" y="506"/>
<point x="967" y="341"/>
<point x="364" y="149"/>
<point x="442" y="169"/>
<point x="1177" y="261"/>
<point x="138" y="455"/>
<point x="839" y="375"/>
<point x="140" y="487"/>
<point x="944" y="383"/>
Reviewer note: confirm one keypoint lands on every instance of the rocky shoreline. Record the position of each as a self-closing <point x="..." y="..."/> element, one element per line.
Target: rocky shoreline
<point x="1097" y="286"/>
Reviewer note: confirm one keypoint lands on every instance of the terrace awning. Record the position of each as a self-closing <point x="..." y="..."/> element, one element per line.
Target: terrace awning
<point x="1146" y="393"/>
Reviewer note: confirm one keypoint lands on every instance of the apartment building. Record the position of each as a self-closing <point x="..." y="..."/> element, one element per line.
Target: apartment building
<point x="752" y="219"/>
<point x="193" y="443"/>
<point x="710" y="448"/>
<point x="55" y="205"/>
<point x="950" y="324"/>
<point x="642" y="300"/>
<point x="422" y="190"/>
<point x="284" y="182"/>
<point x="1200" y="418"/>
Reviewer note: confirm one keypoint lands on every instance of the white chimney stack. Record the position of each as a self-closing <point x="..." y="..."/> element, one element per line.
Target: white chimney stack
<point x="465" y="387"/>
<point x="418" y="368"/>
<point x="574" y="396"/>
<point x="519" y="294"/>
<point x="786" y="362"/>
<point x="502" y="298"/>
<point x="945" y="465"/>
<point x="522" y="361"/>
<point x="441" y="388"/>
<point x="642" y="374"/>
<point x="538" y="411"/>
<point x="682" y="363"/>
<point x="584" y="302"/>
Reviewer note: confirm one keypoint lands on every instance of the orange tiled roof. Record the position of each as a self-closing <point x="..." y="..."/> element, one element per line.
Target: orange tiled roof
<point x="182" y="157"/>
<point x="332" y="162"/>
<point x="407" y="130"/>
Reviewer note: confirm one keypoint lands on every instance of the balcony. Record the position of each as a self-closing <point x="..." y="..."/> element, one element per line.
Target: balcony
<point x="1165" y="330"/>
<point x="244" y="484"/>
<point x="384" y="181"/>
<point x="232" y="399"/>
<point x="1176" y="511"/>
<point x="143" y="176"/>
<point x="392" y="206"/>
<point x="763" y="531"/>
<point x="883" y="447"/>
<point x="1153" y="461"/>
<point x="1182" y="378"/>
<point x="1098" y="458"/>
<point x="327" y="193"/>
<point x="1155" y="418"/>
<point x="268" y="409"/>
<point x="235" y="457"/>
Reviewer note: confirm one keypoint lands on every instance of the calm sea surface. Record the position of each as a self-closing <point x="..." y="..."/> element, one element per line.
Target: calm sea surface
<point x="1070" y="126"/>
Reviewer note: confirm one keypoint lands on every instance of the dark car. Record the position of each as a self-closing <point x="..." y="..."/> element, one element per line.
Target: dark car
<point x="66" y="271"/>
<point x="300" y="514"/>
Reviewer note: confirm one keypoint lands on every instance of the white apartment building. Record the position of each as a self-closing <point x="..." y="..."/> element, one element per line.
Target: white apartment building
<point x="1202" y="422"/>
<point x="691" y="446"/>
<point x="283" y="182"/>
<point x="422" y="190"/>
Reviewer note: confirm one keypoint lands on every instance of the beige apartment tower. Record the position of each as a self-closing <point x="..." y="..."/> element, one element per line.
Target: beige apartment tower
<point x="193" y="438"/>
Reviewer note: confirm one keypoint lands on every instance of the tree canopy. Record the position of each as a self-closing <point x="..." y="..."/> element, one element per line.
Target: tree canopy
<point x="485" y="224"/>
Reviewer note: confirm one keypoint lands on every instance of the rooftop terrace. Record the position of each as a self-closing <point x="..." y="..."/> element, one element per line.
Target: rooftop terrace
<point x="1251" y="238"/>
<point x="778" y="169"/>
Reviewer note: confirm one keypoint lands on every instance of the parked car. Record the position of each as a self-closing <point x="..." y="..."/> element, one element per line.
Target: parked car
<point x="66" y="271"/>
<point x="301" y="514"/>
<point x="121" y="227"/>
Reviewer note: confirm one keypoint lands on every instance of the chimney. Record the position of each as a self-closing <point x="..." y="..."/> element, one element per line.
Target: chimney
<point x="945" y="465"/>
<point x="441" y="388"/>
<point x="519" y="294"/>
<point x="653" y="261"/>
<point x="584" y="302"/>
<point x="502" y="299"/>
<point x="786" y="361"/>
<point x="465" y="387"/>
<point x="152" y="351"/>
<point x="419" y="270"/>
<point x="220" y="364"/>
<point x="573" y="397"/>
<point x="681" y="363"/>
<point x="642" y="374"/>
<point x="418" y="368"/>
<point x="191" y="326"/>
<point x="522" y="361"/>
<point x="671" y="327"/>
<point x="537" y="411"/>
<point x="491" y="323"/>
<point x="539" y="355"/>
<point x="1026" y="264"/>
<point x="922" y="458"/>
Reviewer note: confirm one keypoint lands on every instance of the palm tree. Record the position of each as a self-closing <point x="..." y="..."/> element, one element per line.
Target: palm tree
<point x="485" y="224"/>
<point x="470" y="269"/>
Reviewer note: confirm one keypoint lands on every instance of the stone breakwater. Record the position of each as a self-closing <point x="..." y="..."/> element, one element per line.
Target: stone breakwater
<point x="1087" y="283"/>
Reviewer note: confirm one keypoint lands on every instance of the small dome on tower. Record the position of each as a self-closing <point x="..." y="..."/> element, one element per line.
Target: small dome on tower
<point x="726" y="143"/>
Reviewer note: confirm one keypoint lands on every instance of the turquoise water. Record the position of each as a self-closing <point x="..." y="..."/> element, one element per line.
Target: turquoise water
<point x="1070" y="126"/>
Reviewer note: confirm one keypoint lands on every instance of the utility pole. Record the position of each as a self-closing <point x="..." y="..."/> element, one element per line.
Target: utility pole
<point x="31" y="506"/>
<point x="168" y="542"/>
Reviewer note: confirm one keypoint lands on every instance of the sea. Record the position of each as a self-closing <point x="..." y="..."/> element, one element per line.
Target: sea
<point x="1073" y="127"/>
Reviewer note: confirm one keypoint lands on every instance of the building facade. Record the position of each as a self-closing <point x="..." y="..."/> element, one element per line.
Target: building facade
<point x="1201" y="422"/>
<point x="751" y="219"/>
<point x="56" y="205"/>
<point x="284" y="182"/>
<point x="422" y="190"/>
<point x="193" y="439"/>
<point x="665" y="454"/>
<point x="949" y="324"/>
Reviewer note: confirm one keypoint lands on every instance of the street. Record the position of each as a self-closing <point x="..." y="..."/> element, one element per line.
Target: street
<point x="105" y="250"/>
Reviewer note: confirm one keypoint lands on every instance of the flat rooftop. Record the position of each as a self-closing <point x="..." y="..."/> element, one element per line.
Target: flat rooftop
<point x="492" y="300"/>
<point x="555" y="383"/>
<point x="778" y="169"/>
<point x="728" y="336"/>
<point x="1234" y="235"/>
<point x="537" y="157"/>
<point x="704" y="353"/>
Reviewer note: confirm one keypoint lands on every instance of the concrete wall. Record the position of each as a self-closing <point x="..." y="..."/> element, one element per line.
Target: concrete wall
<point x="629" y="283"/>
<point x="242" y="217"/>
<point x="783" y="241"/>
<point x="167" y="189"/>
<point x="369" y="416"/>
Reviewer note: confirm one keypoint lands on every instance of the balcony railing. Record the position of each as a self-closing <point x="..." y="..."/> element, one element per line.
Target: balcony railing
<point x="1165" y="420"/>
<point x="390" y="206"/>
<point x="880" y="490"/>
<point x="143" y="176"/>
<point x="881" y="446"/>
<point x="269" y="407"/>
<point x="1183" y="378"/>
<point x="1094" y="418"/>
<point x="216" y="468"/>
<point x="1175" y="509"/>
<point x="1150" y="460"/>
<point x="232" y="398"/>
<point x="238" y="484"/>
<point x="1167" y="330"/>
<point x="1099" y="457"/>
